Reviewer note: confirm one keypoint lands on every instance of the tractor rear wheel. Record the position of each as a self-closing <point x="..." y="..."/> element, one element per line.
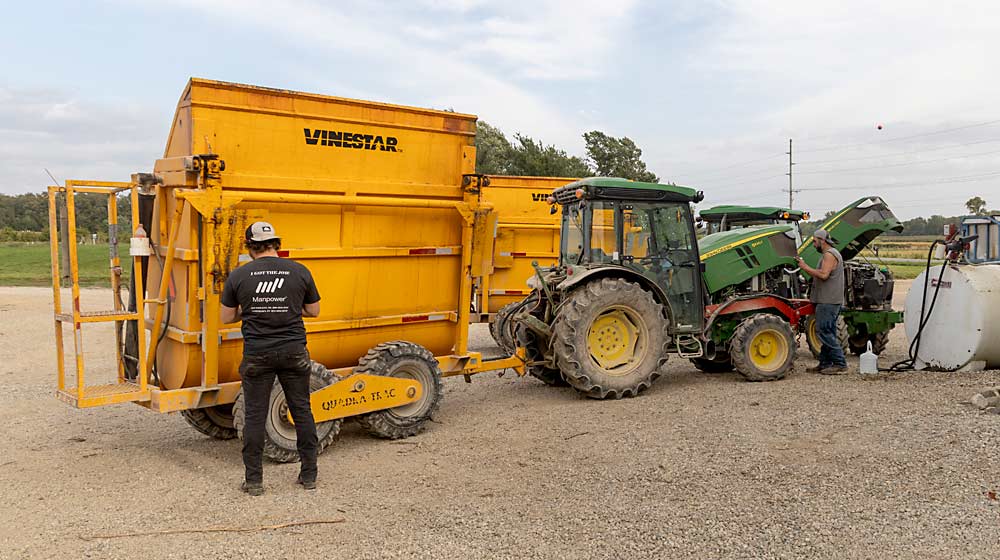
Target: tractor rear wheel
<point x="859" y="343"/>
<point x="812" y="335"/>
<point x="410" y="361"/>
<point x="763" y="348"/>
<point x="279" y="433"/>
<point x="610" y="339"/>
<point x="721" y="363"/>
<point x="213" y="421"/>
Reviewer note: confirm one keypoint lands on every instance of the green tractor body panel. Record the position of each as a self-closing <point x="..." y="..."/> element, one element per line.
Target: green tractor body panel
<point x="733" y="257"/>
<point x="613" y="188"/>
<point x="737" y="214"/>
<point x="854" y="227"/>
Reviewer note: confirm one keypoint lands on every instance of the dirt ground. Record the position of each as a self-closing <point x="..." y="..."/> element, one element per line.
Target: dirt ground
<point x="700" y="466"/>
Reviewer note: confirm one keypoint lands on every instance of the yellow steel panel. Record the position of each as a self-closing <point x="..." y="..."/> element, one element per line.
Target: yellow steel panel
<point x="482" y="242"/>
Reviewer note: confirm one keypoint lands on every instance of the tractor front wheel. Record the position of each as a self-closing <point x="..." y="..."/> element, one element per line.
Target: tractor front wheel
<point x="763" y="348"/>
<point x="610" y="339"/>
<point x="812" y="335"/>
<point x="279" y="433"/>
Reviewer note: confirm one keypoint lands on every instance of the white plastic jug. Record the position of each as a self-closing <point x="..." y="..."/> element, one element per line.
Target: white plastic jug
<point x="869" y="361"/>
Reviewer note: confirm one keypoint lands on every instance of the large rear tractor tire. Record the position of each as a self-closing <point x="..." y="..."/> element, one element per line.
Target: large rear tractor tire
<point x="812" y="335"/>
<point x="279" y="433"/>
<point x="721" y="363"/>
<point x="213" y="421"/>
<point x="411" y="361"/>
<point x="859" y="343"/>
<point x="763" y="348"/>
<point x="610" y="339"/>
<point x="502" y="328"/>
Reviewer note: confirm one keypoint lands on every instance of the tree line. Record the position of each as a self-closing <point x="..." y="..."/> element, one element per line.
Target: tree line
<point x="25" y="217"/>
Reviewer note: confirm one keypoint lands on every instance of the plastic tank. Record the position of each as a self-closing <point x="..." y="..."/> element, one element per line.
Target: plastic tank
<point x="964" y="326"/>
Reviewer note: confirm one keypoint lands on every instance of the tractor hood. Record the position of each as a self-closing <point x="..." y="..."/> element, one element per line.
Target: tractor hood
<point x="854" y="228"/>
<point x="737" y="214"/>
<point x="733" y="257"/>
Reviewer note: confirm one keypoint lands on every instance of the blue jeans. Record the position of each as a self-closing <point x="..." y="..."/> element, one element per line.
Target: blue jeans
<point x="831" y="354"/>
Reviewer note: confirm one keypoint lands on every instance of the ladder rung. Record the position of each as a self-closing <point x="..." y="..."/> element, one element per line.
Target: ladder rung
<point x="98" y="395"/>
<point x="98" y="316"/>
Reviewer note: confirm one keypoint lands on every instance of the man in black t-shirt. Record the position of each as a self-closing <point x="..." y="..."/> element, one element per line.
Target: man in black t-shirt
<point x="271" y="295"/>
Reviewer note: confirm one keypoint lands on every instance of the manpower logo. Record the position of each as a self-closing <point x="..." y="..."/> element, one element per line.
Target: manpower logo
<point x="269" y="287"/>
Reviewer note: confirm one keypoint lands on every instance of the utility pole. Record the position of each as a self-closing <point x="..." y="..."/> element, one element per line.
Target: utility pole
<point x="790" y="164"/>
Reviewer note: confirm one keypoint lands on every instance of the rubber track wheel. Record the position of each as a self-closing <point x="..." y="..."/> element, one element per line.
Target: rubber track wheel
<point x="742" y="336"/>
<point x="529" y="341"/>
<point x="843" y="335"/>
<point x="319" y="377"/>
<point x="572" y="326"/>
<point x="384" y="359"/>
<point x="713" y="366"/>
<point x="206" y="422"/>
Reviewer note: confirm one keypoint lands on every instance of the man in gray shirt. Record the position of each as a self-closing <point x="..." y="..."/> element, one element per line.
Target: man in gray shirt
<point x="827" y="293"/>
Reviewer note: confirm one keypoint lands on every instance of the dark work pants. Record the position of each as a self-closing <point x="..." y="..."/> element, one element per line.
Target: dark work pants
<point x="291" y="367"/>
<point x="831" y="354"/>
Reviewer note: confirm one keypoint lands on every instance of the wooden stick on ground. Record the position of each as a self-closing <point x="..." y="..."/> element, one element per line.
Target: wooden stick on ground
<point x="216" y="529"/>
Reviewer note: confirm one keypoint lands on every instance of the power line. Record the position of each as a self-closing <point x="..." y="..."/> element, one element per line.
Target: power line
<point x="904" y="164"/>
<point x="940" y="181"/>
<point x="717" y="170"/>
<point x="921" y="135"/>
<point x="901" y="153"/>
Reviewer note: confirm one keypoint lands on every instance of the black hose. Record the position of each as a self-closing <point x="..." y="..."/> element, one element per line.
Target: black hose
<point x="914" y="348"/>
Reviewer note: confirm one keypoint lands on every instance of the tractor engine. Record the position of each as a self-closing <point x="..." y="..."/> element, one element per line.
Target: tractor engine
<point x="866" y="287"/>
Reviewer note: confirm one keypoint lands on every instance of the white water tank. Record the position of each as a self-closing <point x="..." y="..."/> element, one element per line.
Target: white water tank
<point x="964" y="326"/>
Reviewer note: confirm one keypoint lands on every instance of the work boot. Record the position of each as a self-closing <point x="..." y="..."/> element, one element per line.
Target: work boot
<point x="307" y="483"/>
<point x="834" y="370"/>
<point x="818" y="368"/>
<point x="252" y="488"/>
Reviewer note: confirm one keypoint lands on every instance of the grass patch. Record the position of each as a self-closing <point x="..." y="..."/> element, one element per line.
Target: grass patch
<point x="906" y="271"/>
<point x="28" y="264"/>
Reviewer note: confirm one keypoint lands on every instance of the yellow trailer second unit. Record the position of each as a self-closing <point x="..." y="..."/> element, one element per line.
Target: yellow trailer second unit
<point x="526" y="231"/>
<point x="382" y="204"/>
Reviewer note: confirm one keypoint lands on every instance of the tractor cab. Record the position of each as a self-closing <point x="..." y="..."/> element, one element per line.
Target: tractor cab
<point x="642" y="231"/>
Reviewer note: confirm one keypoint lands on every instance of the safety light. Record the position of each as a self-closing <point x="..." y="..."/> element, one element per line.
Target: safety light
<point x="551" y="200"/>
<point x="579" y="193"/>
<point x="805" y="215"/>
<point x="785" y="215"/>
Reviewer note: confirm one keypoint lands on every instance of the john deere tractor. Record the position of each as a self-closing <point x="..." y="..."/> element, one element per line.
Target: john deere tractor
<point x="629" y="290"/>
<point x="868" y="314"/>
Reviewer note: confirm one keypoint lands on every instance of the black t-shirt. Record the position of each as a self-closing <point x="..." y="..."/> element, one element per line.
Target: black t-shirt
<point x="271" y="291"/>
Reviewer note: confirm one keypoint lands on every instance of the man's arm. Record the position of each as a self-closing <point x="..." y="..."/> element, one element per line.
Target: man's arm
<point x="231" y="314"/>
<point x="826" y="267"/>
<point x="310" y="309"/>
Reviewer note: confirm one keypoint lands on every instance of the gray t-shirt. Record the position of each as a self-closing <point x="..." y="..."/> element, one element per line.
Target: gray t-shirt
<point x="830" y="290"/>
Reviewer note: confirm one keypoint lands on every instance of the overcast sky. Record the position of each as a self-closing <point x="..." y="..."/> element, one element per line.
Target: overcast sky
<point x="711" y="90"/>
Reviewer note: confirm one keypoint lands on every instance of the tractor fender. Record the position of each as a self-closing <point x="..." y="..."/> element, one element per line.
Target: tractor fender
<point x="791" y="310"/>
<point x="619" y="272"/>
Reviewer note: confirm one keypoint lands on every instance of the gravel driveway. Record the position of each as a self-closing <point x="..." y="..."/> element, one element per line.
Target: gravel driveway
<point x="700" y="466"/>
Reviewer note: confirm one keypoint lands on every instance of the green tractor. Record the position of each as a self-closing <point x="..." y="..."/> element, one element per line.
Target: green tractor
<point x="868" y="315"/>
<point x="629" y="290"/>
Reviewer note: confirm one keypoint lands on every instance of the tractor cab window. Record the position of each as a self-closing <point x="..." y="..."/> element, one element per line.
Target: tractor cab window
<point x="572" y="233"/>
<point x="603" y="241"/>
<point x="659" y="243"/>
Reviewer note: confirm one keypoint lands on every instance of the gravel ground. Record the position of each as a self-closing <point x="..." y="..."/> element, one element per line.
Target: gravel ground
<point x="700" y="466"/>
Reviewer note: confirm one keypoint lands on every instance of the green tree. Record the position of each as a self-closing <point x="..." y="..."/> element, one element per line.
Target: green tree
<point x="530" y="157"/>
<point x="493" y="150"/>
<point x="616" y="157"/>
<point x="976" y="205"/>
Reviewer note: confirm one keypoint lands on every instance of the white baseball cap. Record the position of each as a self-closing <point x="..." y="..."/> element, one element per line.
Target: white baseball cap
<point x="261" y="231"/>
